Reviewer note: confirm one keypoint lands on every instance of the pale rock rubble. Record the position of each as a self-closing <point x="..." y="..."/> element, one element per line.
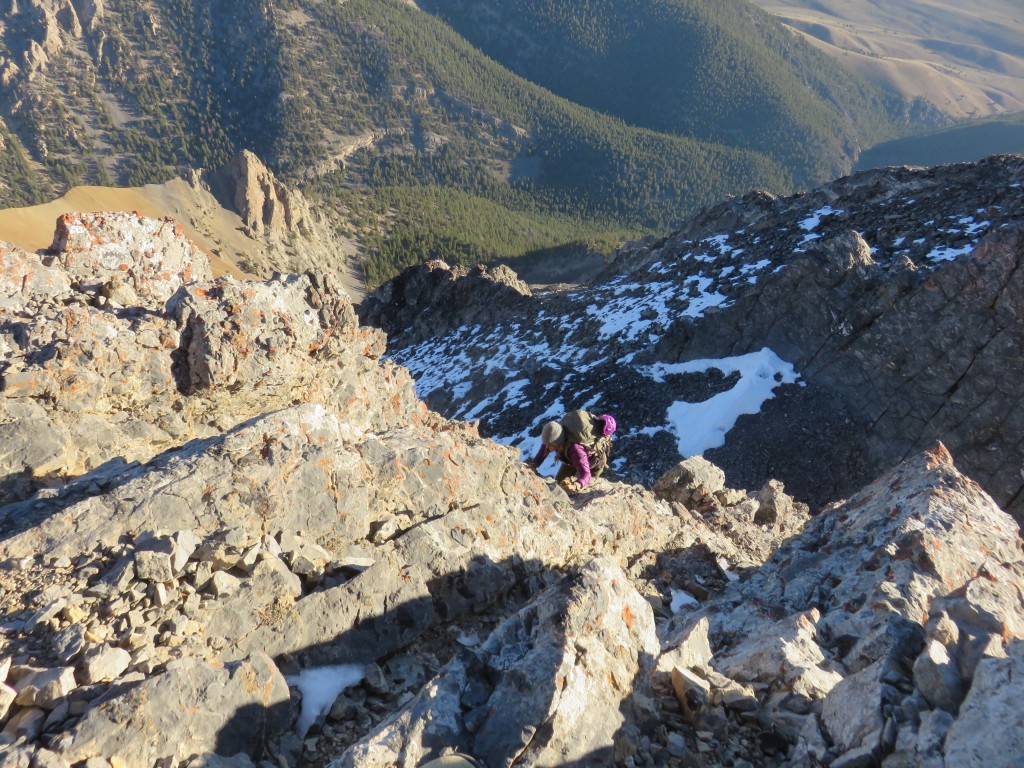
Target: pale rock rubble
<point x="867" y="631"/>
<point x="211" y="485"/>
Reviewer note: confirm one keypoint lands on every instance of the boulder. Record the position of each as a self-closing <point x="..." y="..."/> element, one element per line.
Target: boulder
<point x="105" y="664"/>
<point x="562" y="680"/>
<point x="25" y="276"/>
<point x="151" y="256"/>
<point x="785" y="655"/>
<point x="853" y="711"/>
<point x="937" y="677"/>
<point x="695" y="475"/>
<point x="7" y="697"/>
<point x="689" y="648"/>
<point x="233" y="339"/>
<point x="45" y="688"/>
<point x="235" y="707"/>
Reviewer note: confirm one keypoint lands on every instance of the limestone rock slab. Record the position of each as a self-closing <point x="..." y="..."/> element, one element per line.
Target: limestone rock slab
<point x="562" y="680"/>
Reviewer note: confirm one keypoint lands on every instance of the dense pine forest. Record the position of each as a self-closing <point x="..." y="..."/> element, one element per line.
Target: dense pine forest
<point x="724" y="72"/>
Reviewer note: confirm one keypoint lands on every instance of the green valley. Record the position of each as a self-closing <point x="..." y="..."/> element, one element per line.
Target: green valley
<point x="418" y="134"/>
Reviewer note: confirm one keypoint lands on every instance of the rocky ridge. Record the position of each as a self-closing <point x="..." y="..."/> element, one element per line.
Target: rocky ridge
<point x="895" y="294"/>
<point x="214" y="486"/>
<point x="478" y="294"/>
<point x="289" y="233"/>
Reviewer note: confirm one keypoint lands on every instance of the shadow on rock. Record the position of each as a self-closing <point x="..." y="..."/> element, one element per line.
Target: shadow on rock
<point x="563" y="680"/>
<point x="22" y="515"/>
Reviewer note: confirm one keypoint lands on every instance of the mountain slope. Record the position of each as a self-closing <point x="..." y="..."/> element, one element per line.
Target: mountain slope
<point x="373" y="105"/>
<point x="231" y="535"/>
<point x="816" y="338"/>
<point x="459" y="119"/>
<point x="966" y="59"/>
<point x="725" y="72"/>
<point x="964" y="143"/>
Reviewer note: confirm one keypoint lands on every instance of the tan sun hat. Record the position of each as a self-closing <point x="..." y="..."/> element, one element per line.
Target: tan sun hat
<point x="553" y="433"/>
<point x="454" y="760"/>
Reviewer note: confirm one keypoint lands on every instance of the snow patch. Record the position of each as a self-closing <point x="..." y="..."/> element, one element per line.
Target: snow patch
<point x="320" y="687"/>
<point x="698" y="427"/>
<point x="944" y="253"/>
<point x="757" y="266"/>
<point x="682" y="598"/>
<point x="634" y="310"/>
<point x="811" y="222"/>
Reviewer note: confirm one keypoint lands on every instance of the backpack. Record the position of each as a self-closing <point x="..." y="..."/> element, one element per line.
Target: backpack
<point x="586" y="429"/>
<point x="582" y="427"/>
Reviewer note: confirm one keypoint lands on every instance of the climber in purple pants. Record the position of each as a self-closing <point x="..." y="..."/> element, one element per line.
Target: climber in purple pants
<point x="582" y="443"/>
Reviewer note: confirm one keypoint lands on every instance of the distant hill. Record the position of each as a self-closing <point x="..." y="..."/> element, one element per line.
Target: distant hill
<point x="724" y="72"/>
<point x="419" y="143"/>
<point x="963" y="143"/>
<point x="967" y="59"/>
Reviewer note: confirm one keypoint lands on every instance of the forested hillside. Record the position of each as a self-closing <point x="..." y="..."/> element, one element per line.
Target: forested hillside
<point x="725" y="72"/>
<point x="423" y="145"/>
<point x="457" y="119"/>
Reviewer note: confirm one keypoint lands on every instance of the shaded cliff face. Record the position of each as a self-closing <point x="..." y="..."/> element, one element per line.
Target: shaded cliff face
<point x="217" y="491"/>
<point x="883" y="309"/>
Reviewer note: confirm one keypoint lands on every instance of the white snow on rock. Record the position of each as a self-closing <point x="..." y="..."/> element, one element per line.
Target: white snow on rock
<point x="701" y="426"/>
<point x="811" y="222"/>
<point x="320" y="686"/>
<point x="680" y="598"/>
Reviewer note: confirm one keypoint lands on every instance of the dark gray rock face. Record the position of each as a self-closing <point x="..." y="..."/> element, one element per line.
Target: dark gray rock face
<point x="469" y="296"/>
<point x="912" y="354"/>
<point x="894" y="293"/>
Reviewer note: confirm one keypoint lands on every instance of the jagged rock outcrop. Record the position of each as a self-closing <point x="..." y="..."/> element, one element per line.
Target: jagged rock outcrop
<point x="470" y="294"/>
<point x="48" y="28"/>
<point x="860" y="639"/>
<point x="894" y="293"/>
<point x="291" y="234"/>
<point x="128" y="259"/>
<point x="264" y="203"/>
<point x="90" y="12"/>
<point x="116" y="356"/>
